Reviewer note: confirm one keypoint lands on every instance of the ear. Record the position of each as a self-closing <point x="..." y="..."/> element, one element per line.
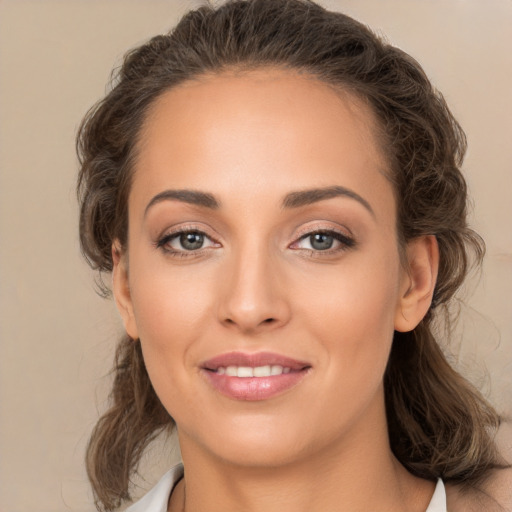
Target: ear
<point x="121" y="289"/>
<point x="418" y="282"/>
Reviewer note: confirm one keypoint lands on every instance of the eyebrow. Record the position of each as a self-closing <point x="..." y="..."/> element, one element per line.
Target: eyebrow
<point x="292" y="200"/>
<point x="185" y="196"/>
<point x="310" y="196"/>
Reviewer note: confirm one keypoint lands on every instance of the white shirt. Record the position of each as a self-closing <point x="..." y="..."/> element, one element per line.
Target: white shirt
<point x="157" y="499"/>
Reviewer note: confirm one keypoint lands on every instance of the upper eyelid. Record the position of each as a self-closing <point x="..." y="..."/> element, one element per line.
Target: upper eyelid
<point x="322" y="228"/>
<point x="341" y="237"/>
<point x="187" y="228"/>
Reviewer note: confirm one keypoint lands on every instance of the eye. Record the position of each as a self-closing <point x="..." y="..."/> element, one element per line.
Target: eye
<point x="324" y="241"/>
<point x="185" y="241"/>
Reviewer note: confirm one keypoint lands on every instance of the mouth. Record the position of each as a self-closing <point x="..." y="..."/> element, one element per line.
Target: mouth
<point x="248" y="371"/>
<point x="259" y="376"/>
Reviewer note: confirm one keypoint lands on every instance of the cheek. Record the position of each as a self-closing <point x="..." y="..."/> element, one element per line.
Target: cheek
<point x="352" y="313"/>
<point x="170" y="312"/>
<point x="171" y="308"/>
<point x="363" y="289"/>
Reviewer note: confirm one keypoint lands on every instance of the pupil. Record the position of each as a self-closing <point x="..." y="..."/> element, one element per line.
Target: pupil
<point x="191" y="241"/>
<point x="321" y="241"/>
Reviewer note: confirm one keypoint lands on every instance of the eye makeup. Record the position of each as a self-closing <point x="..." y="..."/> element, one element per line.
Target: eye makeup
<point x="192" y="241"/>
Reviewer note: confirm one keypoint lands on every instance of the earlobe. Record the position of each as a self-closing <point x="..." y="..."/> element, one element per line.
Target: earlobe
<point x="418" y="284"/>
<point x="121" y="290"/>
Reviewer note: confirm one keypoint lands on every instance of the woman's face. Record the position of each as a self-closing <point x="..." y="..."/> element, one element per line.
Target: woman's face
<point x="262" y="273"/>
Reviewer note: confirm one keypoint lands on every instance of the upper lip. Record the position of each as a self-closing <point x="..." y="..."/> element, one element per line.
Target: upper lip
<point x="253" y="360"/>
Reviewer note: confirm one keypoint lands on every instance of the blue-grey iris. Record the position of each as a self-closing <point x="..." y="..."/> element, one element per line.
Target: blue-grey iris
<point x="321" y="241"/>
<point x="191" y="241"/>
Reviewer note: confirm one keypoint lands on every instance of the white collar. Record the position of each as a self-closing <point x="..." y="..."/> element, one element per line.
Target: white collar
<point x="157" y="499"/>
<point x="438" y="501"/>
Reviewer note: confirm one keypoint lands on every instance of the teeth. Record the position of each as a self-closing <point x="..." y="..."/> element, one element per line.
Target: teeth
<point x="262" y="371"/>
<point x="276" y="369"/>
<point x="232" y="371"/>
<point x="245" y="371"/>
<point x="248" y="371"/>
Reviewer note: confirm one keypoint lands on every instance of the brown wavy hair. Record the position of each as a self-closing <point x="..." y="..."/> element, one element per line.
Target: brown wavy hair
<point x="439" y="425"/>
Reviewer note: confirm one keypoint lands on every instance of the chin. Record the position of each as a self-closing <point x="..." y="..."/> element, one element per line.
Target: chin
<point x="262" y="452"/>
<point x="255" y="441"/>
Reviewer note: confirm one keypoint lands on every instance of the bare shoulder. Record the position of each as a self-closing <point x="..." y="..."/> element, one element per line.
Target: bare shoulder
<point x="494" y="495"/>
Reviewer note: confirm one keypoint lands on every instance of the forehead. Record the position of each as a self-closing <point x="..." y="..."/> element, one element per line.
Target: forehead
<point x="235" y="132"/>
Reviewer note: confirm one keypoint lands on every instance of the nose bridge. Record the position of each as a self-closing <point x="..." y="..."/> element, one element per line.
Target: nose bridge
<point x="255" y="298"/>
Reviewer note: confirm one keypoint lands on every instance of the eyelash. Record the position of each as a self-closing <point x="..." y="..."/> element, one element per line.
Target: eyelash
<point x="345" y="242"/>
<point x="163" y="242"/>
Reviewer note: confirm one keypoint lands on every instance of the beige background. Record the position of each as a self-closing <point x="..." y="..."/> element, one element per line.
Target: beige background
<point x="57" y="336"/>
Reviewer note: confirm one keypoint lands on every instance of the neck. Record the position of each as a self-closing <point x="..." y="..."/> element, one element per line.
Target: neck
<point x="359" y="475"/>
<point x="307" y="487"/>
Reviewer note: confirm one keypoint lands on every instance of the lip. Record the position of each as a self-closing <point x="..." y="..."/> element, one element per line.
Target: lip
<point x="253" y="388"/>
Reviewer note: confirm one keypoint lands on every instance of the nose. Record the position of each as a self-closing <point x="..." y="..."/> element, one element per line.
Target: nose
<point x="254" y="298"/>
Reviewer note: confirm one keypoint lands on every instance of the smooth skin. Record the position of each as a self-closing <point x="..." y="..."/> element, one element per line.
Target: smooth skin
<point x="240" y="268"/>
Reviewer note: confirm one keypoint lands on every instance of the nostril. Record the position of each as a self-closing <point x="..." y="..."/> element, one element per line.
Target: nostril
<point x="268" y="320"/>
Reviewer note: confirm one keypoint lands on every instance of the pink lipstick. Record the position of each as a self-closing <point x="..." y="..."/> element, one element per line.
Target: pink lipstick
<point x="258" y="376"/>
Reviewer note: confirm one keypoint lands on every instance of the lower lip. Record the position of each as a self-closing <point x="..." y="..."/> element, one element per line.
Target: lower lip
<point x="254" y="388"/>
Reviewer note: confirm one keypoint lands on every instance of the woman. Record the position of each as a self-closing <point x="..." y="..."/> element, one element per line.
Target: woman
<point x="277" y="194"/>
